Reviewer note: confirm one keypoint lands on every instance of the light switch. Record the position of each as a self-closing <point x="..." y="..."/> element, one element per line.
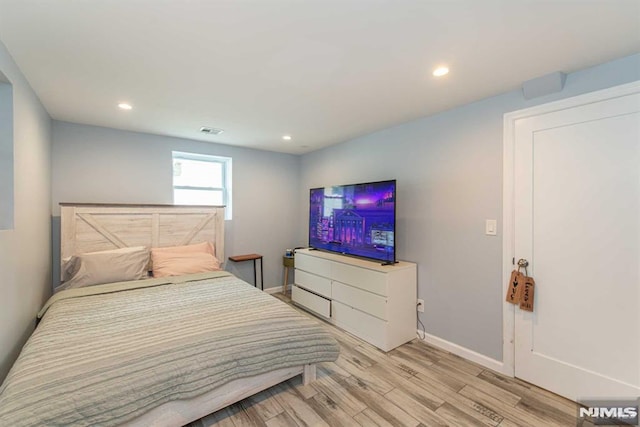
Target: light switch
<point x="491" y="227"/>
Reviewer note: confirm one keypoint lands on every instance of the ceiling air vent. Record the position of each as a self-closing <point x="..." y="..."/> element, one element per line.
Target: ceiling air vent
<point x="211" y="131"/>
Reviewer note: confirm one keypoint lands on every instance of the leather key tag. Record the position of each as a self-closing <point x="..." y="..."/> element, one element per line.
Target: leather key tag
<point x="526" y="297"/>
<point x="513" y="288"/>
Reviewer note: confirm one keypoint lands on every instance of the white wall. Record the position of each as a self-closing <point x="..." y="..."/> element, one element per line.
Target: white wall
<point x="6" y="153"/>
<point x="95" y="164"/>
<point x="449" y="172"/>
<point x="25" y="250"/>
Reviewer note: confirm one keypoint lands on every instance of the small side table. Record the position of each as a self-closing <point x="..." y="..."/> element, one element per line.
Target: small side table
<point x="288" y="262"/>
<point x="251" y="257"/>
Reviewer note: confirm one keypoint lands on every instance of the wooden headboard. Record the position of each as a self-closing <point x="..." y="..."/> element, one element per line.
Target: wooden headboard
<point x="99" y="227"/>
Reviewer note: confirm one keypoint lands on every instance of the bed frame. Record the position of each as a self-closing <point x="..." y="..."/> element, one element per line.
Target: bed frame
<point x="98" y="227"/>
<point x="182" y="412"/>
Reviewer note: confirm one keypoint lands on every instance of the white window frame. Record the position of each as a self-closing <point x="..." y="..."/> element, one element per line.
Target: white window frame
<point x="226" y="163"/>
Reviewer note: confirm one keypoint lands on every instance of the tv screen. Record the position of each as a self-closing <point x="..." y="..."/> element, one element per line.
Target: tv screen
<point x="357" y="220"/>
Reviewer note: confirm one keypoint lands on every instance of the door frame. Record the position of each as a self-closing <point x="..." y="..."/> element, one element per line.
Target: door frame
<point x="508" y="199"/>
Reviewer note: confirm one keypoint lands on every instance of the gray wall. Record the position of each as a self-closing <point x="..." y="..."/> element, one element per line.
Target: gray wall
<point x="449" y="172"/>
<point x="25" y="249"/>
<point x="95" y="164"/>
<point x="6" y="153"/>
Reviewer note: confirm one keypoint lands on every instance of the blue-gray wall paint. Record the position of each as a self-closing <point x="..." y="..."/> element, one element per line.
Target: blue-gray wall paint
<point x="102" y="165"/>
<point x="25" y="247"/>
<point x="449" y="172"/>
<point x="6" y="154"/>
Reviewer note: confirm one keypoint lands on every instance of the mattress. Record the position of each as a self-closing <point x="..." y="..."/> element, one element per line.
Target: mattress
<point x="107" y="354"/>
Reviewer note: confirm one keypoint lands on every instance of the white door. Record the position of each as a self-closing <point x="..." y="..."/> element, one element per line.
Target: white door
<point x="577" y="221"/>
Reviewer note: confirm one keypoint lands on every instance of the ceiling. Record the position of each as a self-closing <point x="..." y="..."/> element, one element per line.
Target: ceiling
<point x="322" y="71"/>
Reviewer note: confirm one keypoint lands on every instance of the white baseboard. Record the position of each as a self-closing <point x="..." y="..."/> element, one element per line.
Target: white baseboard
<point x="273" y="290"/>
<point x="276" y="289"/>
<point x="464" y="352"/>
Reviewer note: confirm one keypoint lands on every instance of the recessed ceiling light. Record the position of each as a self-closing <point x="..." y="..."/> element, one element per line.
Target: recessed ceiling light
<point x="440" y="71"/>
<point x="124" y="106"/>
<point x="287" y="137"/>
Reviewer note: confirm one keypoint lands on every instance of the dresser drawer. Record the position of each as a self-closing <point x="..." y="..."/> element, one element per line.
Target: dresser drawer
<point x="373" y="304"/>
<point x="313" y="302"/>
<point x="360" y="324"/>
<point x="316" y="284"/>
<point x="369" y="280"/>
<point x="319" y="266"/>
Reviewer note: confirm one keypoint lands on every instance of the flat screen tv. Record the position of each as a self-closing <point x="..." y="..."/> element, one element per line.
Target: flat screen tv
<point x="357" y="220"/>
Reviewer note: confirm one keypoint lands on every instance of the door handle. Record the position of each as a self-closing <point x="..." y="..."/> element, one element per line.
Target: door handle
<point x="523" y="263"/>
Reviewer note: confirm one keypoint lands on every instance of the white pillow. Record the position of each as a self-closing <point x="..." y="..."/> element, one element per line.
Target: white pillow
<point x="94" y="268"/>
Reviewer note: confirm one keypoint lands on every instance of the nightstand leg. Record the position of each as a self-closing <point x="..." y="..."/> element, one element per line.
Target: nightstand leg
<point x="255" y="279"/>
<point x="261" y="274"/>
<point x="286" y="280"/>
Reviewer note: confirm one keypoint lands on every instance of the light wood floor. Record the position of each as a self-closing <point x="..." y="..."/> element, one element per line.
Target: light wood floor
<point x="412" y="385"/>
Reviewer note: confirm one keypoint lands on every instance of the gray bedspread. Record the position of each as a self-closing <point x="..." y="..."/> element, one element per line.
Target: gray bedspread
<point x="106" y="358"/>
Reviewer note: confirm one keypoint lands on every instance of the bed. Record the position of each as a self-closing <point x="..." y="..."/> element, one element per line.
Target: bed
<point x="154" y="352"/>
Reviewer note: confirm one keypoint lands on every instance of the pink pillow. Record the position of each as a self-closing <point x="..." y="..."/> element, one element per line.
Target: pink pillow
<point x="177" y="260"/>
<point x="206" y="247"/>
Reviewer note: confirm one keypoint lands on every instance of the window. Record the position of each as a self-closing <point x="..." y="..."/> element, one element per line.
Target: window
<point x="199" y="179"/>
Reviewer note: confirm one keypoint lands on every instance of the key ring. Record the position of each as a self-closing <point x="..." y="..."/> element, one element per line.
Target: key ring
<point x="523" y="263"/>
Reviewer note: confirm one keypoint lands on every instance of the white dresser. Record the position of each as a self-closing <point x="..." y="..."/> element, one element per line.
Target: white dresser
<point x="372" y="301"/>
